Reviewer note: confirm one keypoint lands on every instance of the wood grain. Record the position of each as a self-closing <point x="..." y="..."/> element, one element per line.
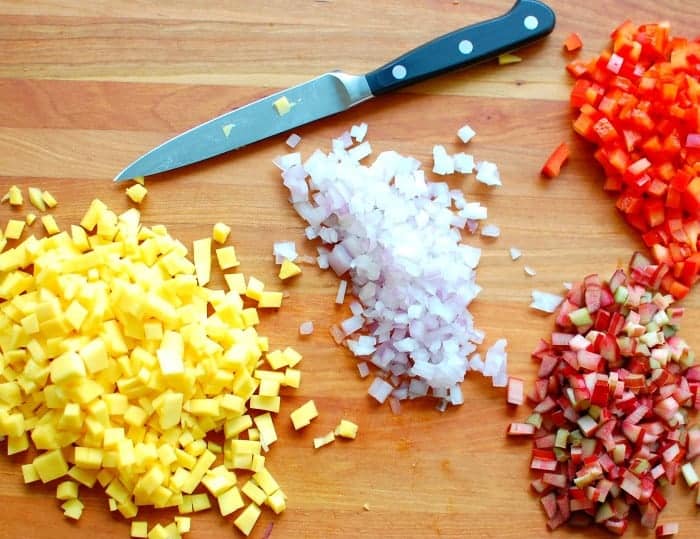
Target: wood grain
<point x="85" y="87"/>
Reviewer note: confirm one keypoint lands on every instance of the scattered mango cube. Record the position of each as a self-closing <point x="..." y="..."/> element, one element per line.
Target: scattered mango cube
<point x="282" y="105"/>
<point x="202" y="260"/>
<point x="247" y="519"/>
<point x="288" y="269"/>
<point x="346" y="429"/>
<point x="326" y="439"/>
<point x="49" y="199"/>
<point x="50" y="224"/>
<point x="220" y="232"/>
<point x="136" y="192"/>
<point x="14" y="229"/>
<point x="302" y="416"/>
<point x="14" y="195"/>
<point x="139" y="528"/>
<point x="35" y="197"/>
<point x="226" y="256"/>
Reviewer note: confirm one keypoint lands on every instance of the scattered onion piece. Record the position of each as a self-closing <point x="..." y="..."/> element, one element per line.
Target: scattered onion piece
<point x="490" y="231"/>
<point x="544" y="301"/>
<point x="515" y="253"/>
<point x="487" y="173"/>
<point x="529" y="271"/>
<point x="293" y="140"/>
<point x="466" y="133"/>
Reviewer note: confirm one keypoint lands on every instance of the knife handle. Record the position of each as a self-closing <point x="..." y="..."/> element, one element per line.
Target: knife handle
<point x="526" y="22"/>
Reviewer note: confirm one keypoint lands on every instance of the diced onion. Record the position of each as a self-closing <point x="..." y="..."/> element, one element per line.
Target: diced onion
<point x="466" y="133"/>
<point x="490" y="231"/>
<point x="306" y="328"/>
<point x="293" y="140"/>
<point x="395" y="238"/>
<point x="487" y="173"/>
<point x="529" y="271"/>
<point x="544" y="301"/>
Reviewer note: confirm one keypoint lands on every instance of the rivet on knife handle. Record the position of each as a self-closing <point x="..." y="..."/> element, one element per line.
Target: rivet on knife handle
<point x="527" y="21"/>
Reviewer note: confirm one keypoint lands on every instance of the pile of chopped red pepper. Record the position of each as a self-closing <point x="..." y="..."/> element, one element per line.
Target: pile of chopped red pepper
<point x="615" y="382"/>
<point x="640" y="104"/>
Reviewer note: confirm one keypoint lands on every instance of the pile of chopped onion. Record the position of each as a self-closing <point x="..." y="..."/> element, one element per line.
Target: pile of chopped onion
<point x="397" y="237"/>
<point x="610" y="422"/>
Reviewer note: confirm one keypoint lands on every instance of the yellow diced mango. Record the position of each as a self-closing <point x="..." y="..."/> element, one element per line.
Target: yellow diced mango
<point x="14" y="229"/>
<point x="220" y="232"/>
<point x="230" y="501"/>
<point x="326" y="439"/>
<point x="247" y="519"/>
<point x="67" y="490"/>
<point x="288" y="269"/>
<point x="136" y="193"/>
<point x="254" y="492"/>
<point x="36" y="199"/>
<point x="49" y="199"/>
<point x="303" y="415"/>
<point x="277" y="501"/>
<point x="202" y="260"/>
<point x="226" y="257"/>
<point x="29" y="219"/>
<point x="139" y="528"/>
<point x="73" y="508"/>
<point x="14" y="195"/>
<point x="183" y="524"/>
<point x="265" y="480"/>
<point x="262" y="402"/>
<point x="50" y="465"/>
<point x="292" y="378"/>
<point x="236" y="282"/>
<point x="255" y="288"/>
<point x="346" y="429"/>
<point x="50" y="224"/>
<point x="282" y="106"/>
<point x="29" y="473"/>
<point x="270" y="300"/>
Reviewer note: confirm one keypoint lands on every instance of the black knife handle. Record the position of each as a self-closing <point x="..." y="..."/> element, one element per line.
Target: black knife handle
<point x="527" y="21"/>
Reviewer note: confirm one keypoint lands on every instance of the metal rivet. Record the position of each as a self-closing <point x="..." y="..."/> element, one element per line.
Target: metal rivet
<point x="398" y="71"/>
<point x="466" y="46"/>
<point x="531" y="22"/>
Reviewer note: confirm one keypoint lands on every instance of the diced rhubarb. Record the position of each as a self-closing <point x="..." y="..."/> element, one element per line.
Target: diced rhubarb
<point x="667" y="530"/>
<point x="516" y="391"/>
<point x="521" y="429"/>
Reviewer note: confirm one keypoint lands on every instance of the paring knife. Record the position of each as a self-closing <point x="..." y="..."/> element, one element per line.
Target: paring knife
<point x="526" y="22"/>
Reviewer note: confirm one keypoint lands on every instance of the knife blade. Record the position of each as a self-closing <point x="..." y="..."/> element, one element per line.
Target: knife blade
<point x="334" y="92"/>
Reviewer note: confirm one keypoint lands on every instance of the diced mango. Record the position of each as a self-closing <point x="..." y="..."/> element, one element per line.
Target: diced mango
<point x="236" y="282"/>
<point x="202" y="260"/>
<point x="326" y="439"/>
<point x="262" y="402"/>
<point x="136" y="192"/>
<point x="247" y="519"/>
<point x="183" y="524"/>
<point x="230" y="501"/>
<point x="67" y="490"/>
<point x="49" y="199"/>
<point x="14" y="195"/>
<point x="226" y="256"/>
<point x="277" y="501"/>
<point x="292" y="378"/>
<point x="254" y="289"/>
<point x="36" y="199"/>
<point x="288" y="269"/>
<point x="270" y="299"/>
<point x="29" y="219"/>
<point x="302" y="416"/>
<point x="14" y="229"/>
<point x="50" y="224"/>
<point x="254" y="492"/>
<point x="346" y="429"/>
<point x="139" y="528"/>
<point x="50" y="465"/>
<point x="282" y="106"/>
<point x="29" y="473"/>
<point x="73" y="508"/>
<point x="220" y="232"/>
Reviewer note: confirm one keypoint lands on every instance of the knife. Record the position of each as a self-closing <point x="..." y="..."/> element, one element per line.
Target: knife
<point x="334" y="92"/>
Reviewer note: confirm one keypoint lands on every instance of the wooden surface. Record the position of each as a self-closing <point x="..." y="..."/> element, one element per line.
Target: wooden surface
<point x="85" y="87"/>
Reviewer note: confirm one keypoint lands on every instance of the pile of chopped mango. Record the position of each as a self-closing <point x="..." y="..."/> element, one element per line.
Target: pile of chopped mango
<point x="117" y="363"/>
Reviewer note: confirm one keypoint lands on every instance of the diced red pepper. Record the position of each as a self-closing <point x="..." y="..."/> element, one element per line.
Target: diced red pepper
<point x="573" y="42"/>
<point x="556" y="160"/>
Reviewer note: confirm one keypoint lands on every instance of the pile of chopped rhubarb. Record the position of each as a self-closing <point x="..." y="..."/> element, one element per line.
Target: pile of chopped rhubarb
<point x="611" y="400"/>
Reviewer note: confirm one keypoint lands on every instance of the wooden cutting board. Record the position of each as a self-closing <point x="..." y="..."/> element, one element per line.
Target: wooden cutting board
<point x="85" y="87"/>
